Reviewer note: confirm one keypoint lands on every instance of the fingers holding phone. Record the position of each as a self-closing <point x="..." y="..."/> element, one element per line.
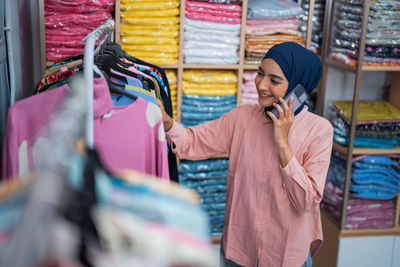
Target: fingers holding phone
<point x="284" y="122"/>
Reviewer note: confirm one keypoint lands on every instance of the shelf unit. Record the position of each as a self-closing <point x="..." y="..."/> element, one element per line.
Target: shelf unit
<point x="334" y="230"/>
<point x="239" y="68"/>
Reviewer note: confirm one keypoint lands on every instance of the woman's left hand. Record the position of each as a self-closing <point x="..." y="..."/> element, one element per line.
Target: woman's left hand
<point x="282" y="124"/>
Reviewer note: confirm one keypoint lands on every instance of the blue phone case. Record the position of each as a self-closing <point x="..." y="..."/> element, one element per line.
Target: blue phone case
<point x="299" y="97"/>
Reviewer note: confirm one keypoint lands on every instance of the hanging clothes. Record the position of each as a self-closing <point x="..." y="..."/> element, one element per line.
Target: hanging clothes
<point x="127" y="137"/>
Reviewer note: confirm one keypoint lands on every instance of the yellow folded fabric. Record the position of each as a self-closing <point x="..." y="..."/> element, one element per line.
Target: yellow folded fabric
<point x="149" y="5"/>
<point x="159" y="48"/>
<point x="151" y="21"/>
<point x="163" y="55"/>
<point x="171" y="76"/>
<point x="209" y="86"/>
<point x="158" y="61"/>
<point x="209" y="92"/>
<point x="170" y="12"/>
<point x="147" y="40"/>
<point x="210" y="76"/>
<point x="156" y="27"/>
<point x="369" y="110"/>
<point x="150" y="33"/>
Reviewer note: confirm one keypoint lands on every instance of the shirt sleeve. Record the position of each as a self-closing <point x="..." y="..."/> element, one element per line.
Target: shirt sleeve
<point x="305" y="184"/>
<point x="205" y="140"/>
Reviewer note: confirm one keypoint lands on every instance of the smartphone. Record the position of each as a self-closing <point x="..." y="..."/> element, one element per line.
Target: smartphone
<point x="299" y="95"/>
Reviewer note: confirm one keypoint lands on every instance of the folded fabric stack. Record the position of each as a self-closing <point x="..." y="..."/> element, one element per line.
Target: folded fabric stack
<point x="68" y="22"/>
<point x="150" y="30"/>
<point x="211" y="33"/>
<point x="140" y="214"/>
<point x="270" y="23"/>
<point x="208" y="178"/>
<point x="378" y="123"/>
<point x="249" y="90"/>
<point x="372" y="176"/>
<point x="207" y="95"/>
<point x="382" y="41"/>
<point x="317" y="24"/>
<point x="361" y="213"/>
<point x="171" y="76"/>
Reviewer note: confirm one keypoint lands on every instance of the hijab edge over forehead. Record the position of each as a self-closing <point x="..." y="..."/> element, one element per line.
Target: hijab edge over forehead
<point x="298" y="64"/>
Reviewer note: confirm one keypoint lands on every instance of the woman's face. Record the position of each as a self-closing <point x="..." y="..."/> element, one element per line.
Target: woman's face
<point x="271" y="83"/>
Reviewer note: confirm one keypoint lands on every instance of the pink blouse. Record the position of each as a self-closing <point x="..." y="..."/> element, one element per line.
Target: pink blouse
<point x="272" y="213"/>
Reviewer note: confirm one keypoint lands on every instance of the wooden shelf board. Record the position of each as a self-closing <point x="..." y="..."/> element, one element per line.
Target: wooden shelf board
<point x="49" y="63"/>
<point x="381" y="68"/>
<point x="370" y="232"/>
<point x="250" y="66"/>
<point x="211" y="66"/>
<point x="339" y="64"/>
<point x="173" y="66"/>
<point x="361" y="150"/>
<point x="216" y="239"/>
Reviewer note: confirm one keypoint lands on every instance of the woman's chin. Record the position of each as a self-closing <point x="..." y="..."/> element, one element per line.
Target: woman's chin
<point x="264" y="103"/>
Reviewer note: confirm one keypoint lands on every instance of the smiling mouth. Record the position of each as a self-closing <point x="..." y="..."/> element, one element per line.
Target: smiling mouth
<point x="262" y="95"/>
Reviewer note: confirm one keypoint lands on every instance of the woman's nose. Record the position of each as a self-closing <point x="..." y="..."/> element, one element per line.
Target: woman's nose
<point x="263" y="83"/>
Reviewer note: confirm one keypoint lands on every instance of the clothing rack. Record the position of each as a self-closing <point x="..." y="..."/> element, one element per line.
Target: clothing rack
<point x="29" y="244"/>
<point x="106" y="29"/>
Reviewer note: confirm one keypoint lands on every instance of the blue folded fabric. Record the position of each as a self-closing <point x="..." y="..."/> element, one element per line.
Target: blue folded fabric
<point x="209" y="103"/>
<point x="203" y="165"/>
<point x="210" y="98"/>
<point x="207" y="109"/>
<point x="201" y="116"/>
<point x="368" y="141"/>
<point x="191" y="183"/>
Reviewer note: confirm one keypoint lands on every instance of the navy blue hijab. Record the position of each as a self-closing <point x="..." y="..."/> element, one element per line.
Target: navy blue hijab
<point x="299" y="65"/>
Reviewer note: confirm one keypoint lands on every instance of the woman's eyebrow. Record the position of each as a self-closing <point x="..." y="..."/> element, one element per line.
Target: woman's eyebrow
<point x="276" y="76"/>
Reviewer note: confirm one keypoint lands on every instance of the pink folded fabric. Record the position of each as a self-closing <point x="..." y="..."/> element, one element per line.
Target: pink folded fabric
<point x="267" y="21"/>
<point x="67" y="20"/>
<point x="214" y="12"/>
<point x="207" y="17"/>
<point x="77" y="32"/>
<point x="249" y="75"/>
<point x="230" y="7"/>
<point x="272" y="29"/>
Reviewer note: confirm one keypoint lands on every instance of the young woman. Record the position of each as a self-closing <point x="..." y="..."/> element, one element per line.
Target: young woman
<point x="277" y="165"/>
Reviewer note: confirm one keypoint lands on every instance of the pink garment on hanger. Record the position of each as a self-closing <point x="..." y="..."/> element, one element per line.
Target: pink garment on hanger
<point x="126" y="137"/>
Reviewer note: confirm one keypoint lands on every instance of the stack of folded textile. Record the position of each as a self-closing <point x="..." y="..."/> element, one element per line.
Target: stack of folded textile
<point x="270" y="23"/>
<point x="372" y="176"/>
<point x="378" y="123"/>
<point x="382" y="41"/>
<point x="211" y="33"/>
<point x="361" y="213"/>
<point x="68" y="22"/>
<point x="317" y="24"/>
<point x="207" y="95"/>
<point x="150" y="30"/>
<point x="208" y="178"/>
<point x="171" y="76"/>
<point x="249" y="90"/>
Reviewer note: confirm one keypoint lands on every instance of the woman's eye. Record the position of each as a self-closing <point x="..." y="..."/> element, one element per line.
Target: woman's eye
<point x="274" y="82"/>
<point x="260" y="73"/>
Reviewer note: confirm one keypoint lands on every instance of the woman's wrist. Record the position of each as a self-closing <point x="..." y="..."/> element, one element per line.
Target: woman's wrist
<point x="168" y="123"/>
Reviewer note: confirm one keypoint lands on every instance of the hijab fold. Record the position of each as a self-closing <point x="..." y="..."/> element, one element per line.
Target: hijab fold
<point x="299" y="65"/>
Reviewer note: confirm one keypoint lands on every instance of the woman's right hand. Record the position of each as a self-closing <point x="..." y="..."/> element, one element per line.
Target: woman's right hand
<point x="168" y="121"/>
